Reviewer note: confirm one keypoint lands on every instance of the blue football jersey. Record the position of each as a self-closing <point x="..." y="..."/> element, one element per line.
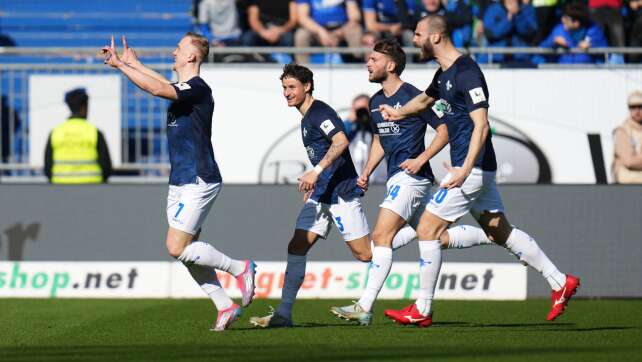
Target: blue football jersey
<point x="460" y="90"/>
<point x="319" y="124"/>
<point x="403" y="139"/>
<point x="189" y="132"/>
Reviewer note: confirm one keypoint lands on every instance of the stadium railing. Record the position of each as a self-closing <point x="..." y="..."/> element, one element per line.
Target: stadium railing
<point x="144" y="150"/>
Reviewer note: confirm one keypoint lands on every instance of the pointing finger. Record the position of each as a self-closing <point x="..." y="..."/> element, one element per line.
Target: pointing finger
<point x="113" y="45"/>
<point x="125" y="43"/>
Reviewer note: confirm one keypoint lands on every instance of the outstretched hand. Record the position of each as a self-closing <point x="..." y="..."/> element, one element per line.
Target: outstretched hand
<point x="111" y="55"/>
<point x="129" y="55"/>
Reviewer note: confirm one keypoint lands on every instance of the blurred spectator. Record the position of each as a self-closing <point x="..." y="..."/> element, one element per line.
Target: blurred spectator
<point x="635" y="33"/>
<point x="76" y="151"/>
<point x="546" y="14"/>
<point x="10" y="126"/>
<point x="368" y="40"/>
<point x="608" y="15"/>
<point x="386" y="17"/>
<point x="627" y="159"/>
<point x="327" y="23"/>
<point x="459" y="15"/>
<point x="576" y="31"/>
<point x="509" y="23"/>
<point x="271" y="23"/>
<point x="358" y="127"/>
<point x="219" y="22"/>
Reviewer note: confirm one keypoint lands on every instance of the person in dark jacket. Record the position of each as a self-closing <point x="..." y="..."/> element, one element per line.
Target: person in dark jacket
<point x="509" y="23"/>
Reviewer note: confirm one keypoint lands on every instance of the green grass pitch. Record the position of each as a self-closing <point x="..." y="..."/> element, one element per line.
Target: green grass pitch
<point x="178" y="330"/>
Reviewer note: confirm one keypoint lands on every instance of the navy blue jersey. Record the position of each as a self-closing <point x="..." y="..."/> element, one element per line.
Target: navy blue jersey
<point x="318" y="126"/>
<point x="403" y="139"/>
<point x="189" y="132"/>
<point x="460" y="90"/>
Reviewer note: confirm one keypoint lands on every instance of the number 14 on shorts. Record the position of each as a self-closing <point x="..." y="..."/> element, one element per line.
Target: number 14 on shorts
<point x="393" y="192"/>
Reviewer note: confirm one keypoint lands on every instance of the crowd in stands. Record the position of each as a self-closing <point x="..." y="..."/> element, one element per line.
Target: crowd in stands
<point x="474" y="23"/>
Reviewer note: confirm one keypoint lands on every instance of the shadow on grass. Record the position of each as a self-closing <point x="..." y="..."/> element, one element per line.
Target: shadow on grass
<point x="303" y="349"/>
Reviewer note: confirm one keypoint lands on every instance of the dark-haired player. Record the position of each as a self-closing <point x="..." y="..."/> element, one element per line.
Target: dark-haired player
<point x="459" y="96"/>
<point x="194" y="181"/>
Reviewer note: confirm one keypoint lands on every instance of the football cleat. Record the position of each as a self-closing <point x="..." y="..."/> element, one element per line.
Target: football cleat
<point x="245" y="282"/>
<point x="226" y="317"/>
<point x="561" y="297"/>
<point x="354" y="313"/>
<point x="272" y="320"/>
<point x="409" y="315"/>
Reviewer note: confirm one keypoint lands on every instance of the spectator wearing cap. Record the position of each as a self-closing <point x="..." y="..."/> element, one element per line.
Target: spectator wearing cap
<point x="627" y="158"/>
<point x="76" y="151"/>
<point x="576" y="31"/>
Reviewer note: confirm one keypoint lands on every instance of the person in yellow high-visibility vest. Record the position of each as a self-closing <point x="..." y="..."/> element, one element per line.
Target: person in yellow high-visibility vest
<point x="76" y="152"/>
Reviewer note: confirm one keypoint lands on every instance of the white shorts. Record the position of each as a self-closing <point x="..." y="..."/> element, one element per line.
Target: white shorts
<point x="477" y="194"/>
<point x="347" y="215"/>
<point x="406" y="196"/>
<point x="188" y="205"/>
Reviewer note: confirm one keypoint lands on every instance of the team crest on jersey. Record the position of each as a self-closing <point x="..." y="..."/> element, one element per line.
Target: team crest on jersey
<point x="305" y="132"/>
<point x="448" y="85"/>
<point x="397" y="106"/>
<point x="171" y="120"/>
<point x="310" y="152"/>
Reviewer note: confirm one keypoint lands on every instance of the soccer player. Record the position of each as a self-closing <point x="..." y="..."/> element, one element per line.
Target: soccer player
<point x="409" y="174"/>
<point x="194" y="181"/>
<point x="332" y="194"/>
<point x="458" y="94"/>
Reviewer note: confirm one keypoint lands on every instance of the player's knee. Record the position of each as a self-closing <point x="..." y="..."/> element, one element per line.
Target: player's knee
<point x="175" y="250"/>
<point x="364" y="255"/>
<point x="427" y="232"/>
<point x="444" y="240"/>
<point x="382" y="238"/>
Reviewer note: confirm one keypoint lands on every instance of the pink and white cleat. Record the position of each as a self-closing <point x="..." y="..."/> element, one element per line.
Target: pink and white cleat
<point x="245" y="282"/>
<point x="226" y="317"/>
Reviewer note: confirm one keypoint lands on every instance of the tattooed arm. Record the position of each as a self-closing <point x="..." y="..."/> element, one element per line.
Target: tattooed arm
<point x="339" y="144"/>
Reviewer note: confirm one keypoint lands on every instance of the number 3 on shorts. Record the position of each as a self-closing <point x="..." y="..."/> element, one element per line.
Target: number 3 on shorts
<point x="180" y="208"/>
<point x="339" y="224"/>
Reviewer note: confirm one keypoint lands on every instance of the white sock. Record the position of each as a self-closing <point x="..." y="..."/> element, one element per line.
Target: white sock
<point x="429" y="266"/>
<point x="403" y="237"/>
<point x="377" y="274"/>
<point x="466" y="236"/>
<point x="206" y="278"/>
<point x="294" y="274"/>
<point x="204" y="254"/>
<point x="527" y="250"/>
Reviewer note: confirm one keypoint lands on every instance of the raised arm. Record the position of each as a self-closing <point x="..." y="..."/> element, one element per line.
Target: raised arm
<point x="143" y="81"/>
<point x="416" y="105"/>
<point x="131" y="58"/>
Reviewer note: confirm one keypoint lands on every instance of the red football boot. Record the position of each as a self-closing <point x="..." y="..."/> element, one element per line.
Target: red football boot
<point x="409" y="315"/>
<point x="561" y="297"/>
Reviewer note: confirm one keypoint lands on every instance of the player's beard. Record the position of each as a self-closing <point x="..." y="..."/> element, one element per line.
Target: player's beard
<point x="378" y="77"/>
<point x="427" y="51"/>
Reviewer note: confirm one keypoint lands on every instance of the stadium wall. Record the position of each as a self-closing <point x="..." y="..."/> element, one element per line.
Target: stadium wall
<point x="591" y="231"/>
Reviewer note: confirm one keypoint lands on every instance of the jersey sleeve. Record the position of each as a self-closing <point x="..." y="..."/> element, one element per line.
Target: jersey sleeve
<point x="431" y="119"/>
<point x="190" y="91"/>
<point x="473" y="87"/>
<point x="329" y="124"/>
<point x="433" y="89"/>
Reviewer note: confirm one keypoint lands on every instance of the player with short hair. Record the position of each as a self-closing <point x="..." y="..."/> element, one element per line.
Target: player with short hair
<point x="332" y="194"/>
<point x="195" y="180"/>
<point x="458" y="94"/>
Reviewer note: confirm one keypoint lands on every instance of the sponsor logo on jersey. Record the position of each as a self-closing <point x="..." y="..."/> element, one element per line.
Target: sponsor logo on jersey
<point x="183" y="86"/>
<point x="310" y="152"/>
<point x="388" y="129"/>
<point x="477" y="95"/>
<point x="327" y="126"/>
